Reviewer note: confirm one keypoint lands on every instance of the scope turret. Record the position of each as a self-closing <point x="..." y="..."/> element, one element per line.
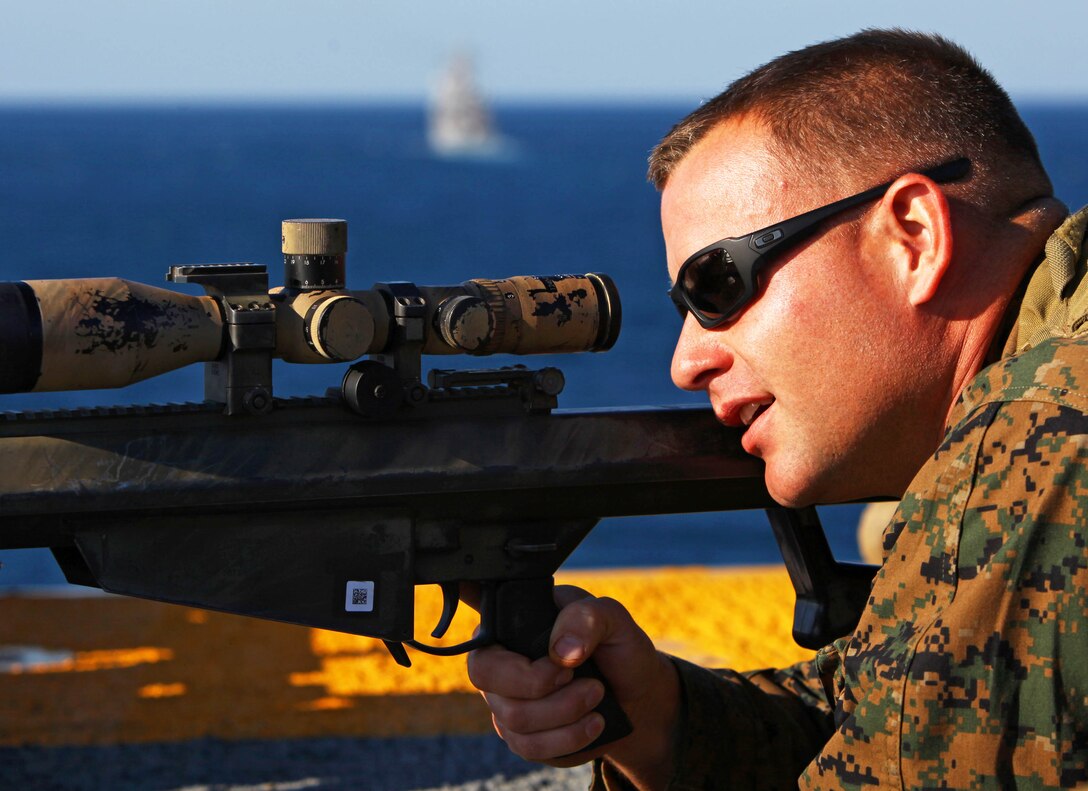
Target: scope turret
<point x="314" y="254"/>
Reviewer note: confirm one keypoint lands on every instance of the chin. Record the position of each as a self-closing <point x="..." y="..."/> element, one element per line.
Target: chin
<point x="794" y="490"/>
<point x="795" y="486"/>
<point x="791" y="496"/>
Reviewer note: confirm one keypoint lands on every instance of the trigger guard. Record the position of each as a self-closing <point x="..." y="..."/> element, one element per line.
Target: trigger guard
<point x="485" y="635"/>
<point x="453" y="650"/>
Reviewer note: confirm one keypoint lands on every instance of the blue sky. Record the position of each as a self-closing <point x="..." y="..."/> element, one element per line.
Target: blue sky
<point x="268" y="50"/>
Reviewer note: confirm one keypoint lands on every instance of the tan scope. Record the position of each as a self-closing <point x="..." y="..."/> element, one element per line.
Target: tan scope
<point x="108" y="332"/>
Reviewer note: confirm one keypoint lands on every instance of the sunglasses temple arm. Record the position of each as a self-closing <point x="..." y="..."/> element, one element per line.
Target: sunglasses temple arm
<point x="949" y="171"/>
<point x="807" y="222"/>
<point x="802" y="223"/>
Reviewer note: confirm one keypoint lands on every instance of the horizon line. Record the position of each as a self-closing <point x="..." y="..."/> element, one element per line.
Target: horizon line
<point x="413" y="101"/>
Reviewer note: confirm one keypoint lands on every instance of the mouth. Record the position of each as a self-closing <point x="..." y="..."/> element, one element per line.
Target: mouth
<point x="751" y="411"/>
<point x="742" y="413"/>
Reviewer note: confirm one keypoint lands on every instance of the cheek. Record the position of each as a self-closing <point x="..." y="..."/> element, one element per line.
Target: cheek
<point x="793" y="331"/>
<point x="831" y="307"/>
<point x="824" y="353"/>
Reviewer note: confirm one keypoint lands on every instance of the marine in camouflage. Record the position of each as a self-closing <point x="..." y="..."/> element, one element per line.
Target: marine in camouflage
<point x="969" y="668"/>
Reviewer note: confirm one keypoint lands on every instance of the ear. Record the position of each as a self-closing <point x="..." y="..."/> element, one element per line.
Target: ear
<point x="915" y="228"/>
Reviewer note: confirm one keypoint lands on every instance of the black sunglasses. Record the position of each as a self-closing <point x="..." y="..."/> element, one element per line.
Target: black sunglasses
<point x="717" y="282"/>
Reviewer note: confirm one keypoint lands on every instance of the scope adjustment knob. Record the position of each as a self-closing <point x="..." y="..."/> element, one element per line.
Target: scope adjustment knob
<point x="465" y="323"/>
<point x="314" y="254"/>
<point x="372" y="390"/>
<point x="339" y="328"/>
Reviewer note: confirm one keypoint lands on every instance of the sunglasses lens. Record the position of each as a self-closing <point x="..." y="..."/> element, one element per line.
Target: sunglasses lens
<point x="712" y="284"/>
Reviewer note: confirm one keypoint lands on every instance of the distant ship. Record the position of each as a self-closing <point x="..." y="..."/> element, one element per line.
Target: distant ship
<point x="459" y="122"/>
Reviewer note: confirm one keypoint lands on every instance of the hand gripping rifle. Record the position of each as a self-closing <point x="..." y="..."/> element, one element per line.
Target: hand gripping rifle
<point x="328" y="511"/>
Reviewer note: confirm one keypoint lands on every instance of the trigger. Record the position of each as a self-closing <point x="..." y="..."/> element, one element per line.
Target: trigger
<point x="400" y="656"/>
<point x="450" y="600"/>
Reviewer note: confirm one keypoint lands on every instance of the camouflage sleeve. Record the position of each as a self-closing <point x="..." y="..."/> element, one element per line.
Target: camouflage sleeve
<point x="997" y="693"/>
<point x="752" y="731"/>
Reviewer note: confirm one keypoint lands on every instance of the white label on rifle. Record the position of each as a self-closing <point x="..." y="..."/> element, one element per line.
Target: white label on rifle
<point x="359" y="597"/>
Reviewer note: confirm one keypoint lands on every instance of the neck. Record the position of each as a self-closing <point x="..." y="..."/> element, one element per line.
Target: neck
<point x="1009" y="251"/>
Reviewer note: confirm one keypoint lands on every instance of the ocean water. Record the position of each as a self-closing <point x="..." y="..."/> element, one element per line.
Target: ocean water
<point x="128" y="191"/>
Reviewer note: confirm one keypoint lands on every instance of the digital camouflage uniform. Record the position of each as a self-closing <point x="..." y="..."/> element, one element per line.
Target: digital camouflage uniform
<point x="969" y="668"/>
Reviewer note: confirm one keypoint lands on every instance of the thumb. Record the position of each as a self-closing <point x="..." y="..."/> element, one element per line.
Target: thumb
<point x="589" y="626"/>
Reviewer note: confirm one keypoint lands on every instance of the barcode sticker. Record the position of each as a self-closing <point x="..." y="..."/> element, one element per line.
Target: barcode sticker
<point x="359" y="597"/>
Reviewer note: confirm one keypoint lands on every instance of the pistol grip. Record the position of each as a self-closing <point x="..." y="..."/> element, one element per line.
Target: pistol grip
<point x="525" y="614"/>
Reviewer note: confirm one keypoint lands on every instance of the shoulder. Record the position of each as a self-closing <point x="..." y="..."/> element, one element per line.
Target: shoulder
<point x="1018" y="445"/>
<point x="1016" y="462"/>
<point x="1023" y="423"/>
<point x="1054" y="371"/>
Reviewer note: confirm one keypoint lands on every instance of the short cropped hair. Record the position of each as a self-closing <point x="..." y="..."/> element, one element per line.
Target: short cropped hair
<point x="866" y="107"/>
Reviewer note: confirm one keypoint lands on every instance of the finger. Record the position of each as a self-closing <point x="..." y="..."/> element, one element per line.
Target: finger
<point x="556" y="743"/>
<point x="584" y="625"/>
<point x="502" y="672"/>
<point x="564" y="706"/>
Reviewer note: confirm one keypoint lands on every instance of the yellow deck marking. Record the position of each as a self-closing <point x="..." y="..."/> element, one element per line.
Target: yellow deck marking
<point x="209" y="674"/>
<point x="161" y="690"/>
<point x="325" y="704"/>
<point x="87" y="661"/>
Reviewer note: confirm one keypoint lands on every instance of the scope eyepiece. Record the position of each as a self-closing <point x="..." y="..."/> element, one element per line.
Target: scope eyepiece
<point x="526" y="314"/>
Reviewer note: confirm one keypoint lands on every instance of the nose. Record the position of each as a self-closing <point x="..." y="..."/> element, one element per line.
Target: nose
<point x="699" y="355"/>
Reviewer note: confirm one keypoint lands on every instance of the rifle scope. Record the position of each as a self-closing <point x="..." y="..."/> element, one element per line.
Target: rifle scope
<point x="108" y="332"/>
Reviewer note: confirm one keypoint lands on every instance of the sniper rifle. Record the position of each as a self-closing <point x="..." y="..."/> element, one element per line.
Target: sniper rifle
<point x="327" y="511"/>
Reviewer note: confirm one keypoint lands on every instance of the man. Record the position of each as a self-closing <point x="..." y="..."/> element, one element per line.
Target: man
<point x="910" y="341"/>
